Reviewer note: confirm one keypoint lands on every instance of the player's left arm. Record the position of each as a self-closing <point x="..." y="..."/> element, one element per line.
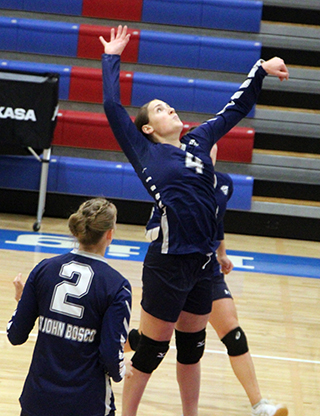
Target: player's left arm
<point x="24" y="317"/>
<point x="114" y="333"/>
<point x="223" y="259"/>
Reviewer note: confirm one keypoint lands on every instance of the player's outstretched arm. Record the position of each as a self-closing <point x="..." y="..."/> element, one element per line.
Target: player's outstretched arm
<point x="118" y="41"/>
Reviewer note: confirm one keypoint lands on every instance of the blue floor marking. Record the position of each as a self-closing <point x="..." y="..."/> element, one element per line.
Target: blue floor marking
<point x="136" y="250"/>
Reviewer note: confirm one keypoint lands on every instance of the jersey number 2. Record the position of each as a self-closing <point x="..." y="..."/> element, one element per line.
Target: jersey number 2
<point x="60" y="299"/>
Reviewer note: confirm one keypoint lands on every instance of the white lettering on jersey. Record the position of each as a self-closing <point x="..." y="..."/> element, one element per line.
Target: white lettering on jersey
<point x="62" y="330"/>
<point x="194" y="162"/>
<point x="225" y="189"/>
<point x="51" y="326"/>
<point x="60" y="301"/>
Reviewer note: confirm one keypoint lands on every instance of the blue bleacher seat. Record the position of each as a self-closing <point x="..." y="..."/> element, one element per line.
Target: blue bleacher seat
<point x="230" y="55"/>
<point x="48" y="37"/>
<point x="237" y="15"/>
<point x="212" y="96"/>
<point x="172" y="12"/>
<point x="197" y="52"/>
<point x="172" y="49"/>
<point x="240" y="15"/>
<point x="12" y="4"/>
<point x="155" y="48"/>
<point x="42" y="68"/>
<point x="69" y="7"/>
<point x="203" y="96"/>
<point x="8" y="34"/>
<point x="176" y="91"/>
<point x="88" y="177"/>
<point x="242" y="192"/>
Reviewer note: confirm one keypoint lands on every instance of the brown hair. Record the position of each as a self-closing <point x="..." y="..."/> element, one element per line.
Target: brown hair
<point x="93" y="218"/>
<point x="142" y="118"/>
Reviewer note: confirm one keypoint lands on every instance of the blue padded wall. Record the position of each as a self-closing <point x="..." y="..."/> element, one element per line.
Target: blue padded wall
<point x="40" y="68"/>
<point x="12" y="167"/>
<point x="78" y="176"/>
<point x="86" y="176"/>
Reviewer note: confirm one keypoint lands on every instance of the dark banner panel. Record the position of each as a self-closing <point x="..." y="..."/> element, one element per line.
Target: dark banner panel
<point x="28" y="109"/>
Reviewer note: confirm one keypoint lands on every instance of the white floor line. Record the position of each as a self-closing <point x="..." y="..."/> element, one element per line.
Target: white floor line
<point x="268" y="357"/>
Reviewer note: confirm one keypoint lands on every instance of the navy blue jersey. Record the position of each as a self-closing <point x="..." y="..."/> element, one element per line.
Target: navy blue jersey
<point x="84" y="307"/>
<point x="223" y="192"/>
<point x="179" y="179"/>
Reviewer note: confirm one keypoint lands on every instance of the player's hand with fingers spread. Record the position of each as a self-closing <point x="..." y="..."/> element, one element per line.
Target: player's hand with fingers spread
<point x="18" y="285"/>
<point x="118" y="41"/>
<point x="276" y="66"/>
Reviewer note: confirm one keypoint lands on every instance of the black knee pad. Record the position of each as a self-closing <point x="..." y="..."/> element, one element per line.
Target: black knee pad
<point x="149" y="354"/>
<point x="190" y="346"/>
<point x="133" y="339"/>
<point x="236" y="342"/>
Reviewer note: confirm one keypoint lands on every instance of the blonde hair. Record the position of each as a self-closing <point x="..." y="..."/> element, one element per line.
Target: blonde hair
<point x="93" y="218"/>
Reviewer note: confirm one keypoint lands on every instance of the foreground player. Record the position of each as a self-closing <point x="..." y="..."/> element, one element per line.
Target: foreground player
<point x="177" y="273"/>
<point x="223" y="317"/>
<point x="84" y="307"/>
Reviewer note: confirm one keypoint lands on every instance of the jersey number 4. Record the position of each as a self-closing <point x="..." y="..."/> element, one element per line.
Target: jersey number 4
<point x="194" y="162"/>
<point x="60" y="301"/>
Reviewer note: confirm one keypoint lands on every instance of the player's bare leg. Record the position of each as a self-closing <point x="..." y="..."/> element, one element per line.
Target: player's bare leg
<point x="159" y="331"/>
<point x="188" y="375"/>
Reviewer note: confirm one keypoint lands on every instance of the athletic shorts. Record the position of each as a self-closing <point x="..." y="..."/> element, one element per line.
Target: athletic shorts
<point x="174" y="283"/>
<point x="220" y="289"/>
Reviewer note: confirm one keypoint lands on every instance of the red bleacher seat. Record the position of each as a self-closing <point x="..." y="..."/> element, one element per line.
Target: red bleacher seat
<point x="86" y="85"/>
<point x="92" y="131"/>
<point x="85" y="130"/>
<point x="89" y="45"/>
<point x="237" y="145"/>
<point x="113" y="9"/>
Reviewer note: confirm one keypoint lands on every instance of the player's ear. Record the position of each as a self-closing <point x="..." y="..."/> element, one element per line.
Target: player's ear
<point x="109" y="234"/>
<point x="147" y="129"/>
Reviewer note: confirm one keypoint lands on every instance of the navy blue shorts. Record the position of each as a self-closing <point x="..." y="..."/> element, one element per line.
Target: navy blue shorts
<point x="175" y="283"/>
<point x="220" y="289"/>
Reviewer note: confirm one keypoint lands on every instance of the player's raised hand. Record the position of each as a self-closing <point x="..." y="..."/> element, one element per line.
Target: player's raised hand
<point x="118" y="41"/>
<point x="276" y="66"/>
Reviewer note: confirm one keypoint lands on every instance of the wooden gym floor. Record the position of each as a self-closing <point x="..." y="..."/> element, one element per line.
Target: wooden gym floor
<point x="279" y="313"/>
